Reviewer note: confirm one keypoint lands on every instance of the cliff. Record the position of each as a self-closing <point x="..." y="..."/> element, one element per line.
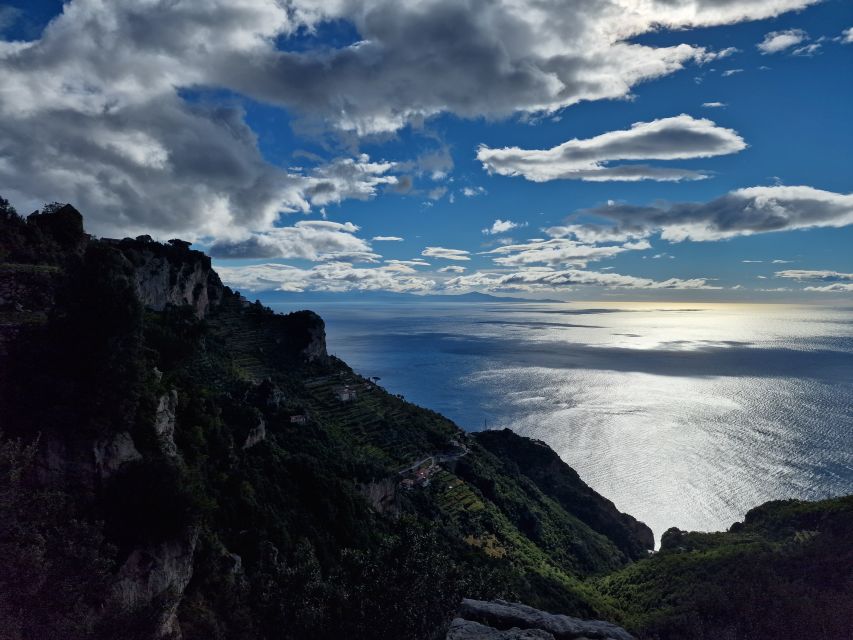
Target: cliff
<point x="178" y="462"/>
<point x="539" y="463"/>
<point x="171" y="274"/>
<point x="234" y="476"/>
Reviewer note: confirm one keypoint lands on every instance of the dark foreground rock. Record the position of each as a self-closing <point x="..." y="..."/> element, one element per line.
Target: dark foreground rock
<point x="501" y="620"/>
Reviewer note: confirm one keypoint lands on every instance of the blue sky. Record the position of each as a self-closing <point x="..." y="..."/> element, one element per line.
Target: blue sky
<point x="286" y="142"/>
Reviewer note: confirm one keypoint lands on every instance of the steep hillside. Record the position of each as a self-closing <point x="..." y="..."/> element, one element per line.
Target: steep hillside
<point x="176" y="461"/>
<point x="230" y="479"/>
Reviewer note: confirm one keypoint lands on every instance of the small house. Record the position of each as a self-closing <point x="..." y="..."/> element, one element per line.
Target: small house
<point x="346" y="394"/>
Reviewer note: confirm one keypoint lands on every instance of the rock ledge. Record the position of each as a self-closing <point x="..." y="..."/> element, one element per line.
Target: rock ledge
<point x="501" y="620"/>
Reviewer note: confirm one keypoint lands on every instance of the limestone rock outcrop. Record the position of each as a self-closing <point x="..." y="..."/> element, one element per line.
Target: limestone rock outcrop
<point x="112" y="452"/>
<point x="461" y="629"/>
<point x="501" y="620"/>
<point x="257" y="434"/>
<point x="164" y="423"/>
<point x="381" y="495"/>
<point x="171" y="274"/>
<point x="315" y="349"/>
<point x="158" y="573"/>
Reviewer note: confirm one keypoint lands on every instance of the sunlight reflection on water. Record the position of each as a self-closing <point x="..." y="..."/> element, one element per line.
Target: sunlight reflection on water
<point x="683" y="415"/>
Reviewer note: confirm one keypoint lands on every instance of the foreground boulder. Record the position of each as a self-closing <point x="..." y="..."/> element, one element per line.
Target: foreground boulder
<point x="501" y="620"/>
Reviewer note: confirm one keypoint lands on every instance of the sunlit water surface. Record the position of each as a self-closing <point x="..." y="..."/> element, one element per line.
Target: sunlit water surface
<point x="683" y="415"/>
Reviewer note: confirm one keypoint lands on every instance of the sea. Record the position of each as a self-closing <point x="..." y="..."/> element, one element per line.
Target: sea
<point x="684" y="415"/>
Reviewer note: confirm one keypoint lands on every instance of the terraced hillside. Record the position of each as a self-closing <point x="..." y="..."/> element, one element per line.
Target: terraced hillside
<point x="177" y="462"/>
<point x="237" y="479"/>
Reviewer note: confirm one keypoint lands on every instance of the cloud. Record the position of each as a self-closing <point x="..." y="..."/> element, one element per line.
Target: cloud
<point x="315" y="240"/>
<point x="558" y="251"/>
<point x="677" y="138"/>
<point x="710" y="56"/>
<point x="445" y="254"/>
<point x="807" y="50"/>
<point x="118" y="107"/>
<point x="777" y="41"/>
<point x="714" y="105"/>
<point x="820" y="275"/>
<point x="539" y="278"/>
<point x="346" y="178"/>
<point x="502" y="226"/>
<point x="453" y="268"/>
<point x="436" y="164"/>
<point x="343" y="276"/>
<point x="437" y="193"/>
<point x="836" y="287"/>
<point x="847" y="36"/>
<point x="595" y="233"/>
<point x="386" y="239"/>
<point x="472" y="192"/>
<point x="739" y="213"/>
<point x="332" y="276"/>
<point x="414" y="60"/>
<point x="730" y="72"/>
<point x="836" y="282"/>
<point x="409" y="263"/>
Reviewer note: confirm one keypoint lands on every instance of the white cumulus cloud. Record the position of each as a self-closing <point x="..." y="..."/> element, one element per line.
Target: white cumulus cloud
<point x="445" y="254"/>
<point x="314" y="240"/>
<point x="331" y="276"/>
<point x="502" y="226"/>
<point x="543" y="278"/>
<point x="559" y="251"/>
<point x="677" y="138"/>
<point x="820" y="275"/>
<point x="777" y="41"/>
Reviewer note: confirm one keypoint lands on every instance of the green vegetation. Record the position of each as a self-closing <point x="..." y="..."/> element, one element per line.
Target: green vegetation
<point x="785" y="572"/>
<point x="285" y="500"/>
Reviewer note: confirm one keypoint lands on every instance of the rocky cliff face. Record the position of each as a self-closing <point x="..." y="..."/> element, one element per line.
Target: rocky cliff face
<point x="71" y="336"/>
<point x="158" y="574"/>
<point x="171" y="274"/>
<point x="38" y="251"/>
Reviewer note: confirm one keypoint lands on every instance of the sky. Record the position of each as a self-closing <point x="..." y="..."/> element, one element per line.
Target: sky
<point x="592" y="149"/>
